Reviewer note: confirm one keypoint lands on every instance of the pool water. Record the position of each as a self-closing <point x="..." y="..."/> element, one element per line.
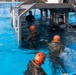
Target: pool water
<point x="13" y="61"/>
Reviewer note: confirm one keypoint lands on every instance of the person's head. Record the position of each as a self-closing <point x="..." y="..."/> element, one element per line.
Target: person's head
<point x="32" y="28"/>
<point x="56" y="38"/>
<point x="39" y="58"/>
<point x="30" y="12"/>
<point x="61" y="20"/>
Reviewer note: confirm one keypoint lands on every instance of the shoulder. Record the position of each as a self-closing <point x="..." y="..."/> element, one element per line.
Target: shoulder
<point x="51" y="43"/>
<point x="36" y="32"/>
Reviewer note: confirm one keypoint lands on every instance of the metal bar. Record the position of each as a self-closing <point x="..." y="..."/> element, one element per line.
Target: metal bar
<point x="30" y="7"/>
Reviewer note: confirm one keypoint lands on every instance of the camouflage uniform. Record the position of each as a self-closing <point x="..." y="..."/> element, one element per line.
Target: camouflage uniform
<point x="55" y="48"/>
<point x="34" y="69"/>
<point x="33" y="40"/>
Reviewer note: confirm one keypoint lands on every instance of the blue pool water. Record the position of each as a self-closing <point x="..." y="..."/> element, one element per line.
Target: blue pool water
<point x="13" y="61"/>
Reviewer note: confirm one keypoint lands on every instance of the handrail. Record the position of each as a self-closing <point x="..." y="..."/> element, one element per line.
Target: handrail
<point x="32" y="1"/>
<point x="27" y="9"/>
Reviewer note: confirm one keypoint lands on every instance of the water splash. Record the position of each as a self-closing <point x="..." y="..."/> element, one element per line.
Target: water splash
<point x="69" y="58"/>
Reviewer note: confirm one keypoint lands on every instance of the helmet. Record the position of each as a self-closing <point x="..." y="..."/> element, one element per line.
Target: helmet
<point x="32" y="28"/>
<point x="56" y="38"/>
<point x="39" y="58"/>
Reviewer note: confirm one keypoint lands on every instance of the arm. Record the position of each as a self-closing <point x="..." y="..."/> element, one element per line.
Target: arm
<point x="29" y="37"/>
<point x="62" y="48"/>
<point x="51" y="49"/>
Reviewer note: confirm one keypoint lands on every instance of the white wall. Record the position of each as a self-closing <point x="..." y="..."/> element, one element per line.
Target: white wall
<point x="54" y="1"/>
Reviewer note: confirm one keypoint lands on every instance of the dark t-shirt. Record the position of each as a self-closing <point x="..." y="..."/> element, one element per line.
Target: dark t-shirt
<point x="30" y="18"/>
<point x="33" y="39"/>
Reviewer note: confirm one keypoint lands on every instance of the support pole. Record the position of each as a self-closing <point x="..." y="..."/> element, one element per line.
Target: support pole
<point x="46" y="12"/>
<point x="19" y="32"/>
<point x="56" y="18"/>
<point x="41" y="12"/>
<point x="66" y="18"/>
<point x="50" y="14"/>
<point x="52" y="17"/>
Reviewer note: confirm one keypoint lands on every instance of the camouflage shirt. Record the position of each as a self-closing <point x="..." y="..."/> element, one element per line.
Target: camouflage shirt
<point x="34" y="69"/>
<point x="55" y="48"/>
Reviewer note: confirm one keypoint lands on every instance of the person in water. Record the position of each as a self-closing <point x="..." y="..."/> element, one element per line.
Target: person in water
<point x="55" y="48"/>
<point x="30" y="18"/>
<point x="61" y="21"/>
<point x="62" y="25"/>
<point x="33" y="37"/>
<point x="34" y="66"/>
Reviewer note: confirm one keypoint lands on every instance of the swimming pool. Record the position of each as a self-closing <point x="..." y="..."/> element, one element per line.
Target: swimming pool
<point x="13" y="61"/>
